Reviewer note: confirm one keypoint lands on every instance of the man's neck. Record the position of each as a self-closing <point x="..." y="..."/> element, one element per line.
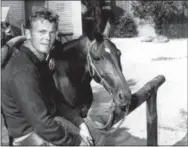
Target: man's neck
<point x="38" y="54"/>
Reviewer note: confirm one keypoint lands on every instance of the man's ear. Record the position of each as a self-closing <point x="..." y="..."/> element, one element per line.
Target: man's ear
<point x="27" y="33"/>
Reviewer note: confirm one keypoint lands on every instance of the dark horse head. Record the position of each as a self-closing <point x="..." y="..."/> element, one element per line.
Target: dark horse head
<point x="82" y="60"/>
<point x="105" y="67"/>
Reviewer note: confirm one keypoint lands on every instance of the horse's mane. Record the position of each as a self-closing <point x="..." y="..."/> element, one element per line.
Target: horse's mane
<point x="69" y="49"/>
<point x="70" y="44"/>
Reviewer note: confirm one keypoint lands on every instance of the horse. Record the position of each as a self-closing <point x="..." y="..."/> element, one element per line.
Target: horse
<point x="79" y="61"/>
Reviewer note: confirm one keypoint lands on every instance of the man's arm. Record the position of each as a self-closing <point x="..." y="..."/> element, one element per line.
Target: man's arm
<point x="24" y="87"/>
<point x="64" y="108"/>
<point x="73" y="116"/>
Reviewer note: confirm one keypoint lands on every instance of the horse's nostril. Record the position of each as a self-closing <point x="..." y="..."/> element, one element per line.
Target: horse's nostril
<point x="123" y="108"/>
<point x="121" y="96"/>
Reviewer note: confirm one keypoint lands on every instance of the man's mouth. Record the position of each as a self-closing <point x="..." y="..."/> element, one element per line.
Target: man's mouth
<point x="45" y="44"/>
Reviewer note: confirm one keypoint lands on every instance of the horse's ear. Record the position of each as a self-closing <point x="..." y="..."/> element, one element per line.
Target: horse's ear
<point x="107" y="29"/>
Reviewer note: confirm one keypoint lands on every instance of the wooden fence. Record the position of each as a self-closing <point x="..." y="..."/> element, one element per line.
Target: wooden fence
<point x="148" y="93"/>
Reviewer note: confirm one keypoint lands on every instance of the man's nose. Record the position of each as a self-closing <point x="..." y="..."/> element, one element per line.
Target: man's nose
<point x="47" y="36"/>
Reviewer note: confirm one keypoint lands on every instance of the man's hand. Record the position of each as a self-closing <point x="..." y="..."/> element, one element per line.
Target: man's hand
<point x="85" y="134"/>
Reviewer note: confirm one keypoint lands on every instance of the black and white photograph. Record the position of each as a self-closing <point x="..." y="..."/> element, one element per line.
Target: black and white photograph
<point x="94" y="73"/>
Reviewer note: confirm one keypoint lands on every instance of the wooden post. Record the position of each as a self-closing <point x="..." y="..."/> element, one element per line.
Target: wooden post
<point x="148" y="93"/>
<point x="152" y="127"/>
<point x="145" y="92"/>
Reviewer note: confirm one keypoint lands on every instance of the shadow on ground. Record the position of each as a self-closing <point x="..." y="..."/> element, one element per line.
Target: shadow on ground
<point x="123" y="137"/>
<point x="183" y="141"/>
<point x="166" y="58"/>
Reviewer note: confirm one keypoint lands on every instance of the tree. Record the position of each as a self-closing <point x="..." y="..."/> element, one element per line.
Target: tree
<point x="160" y="12"/>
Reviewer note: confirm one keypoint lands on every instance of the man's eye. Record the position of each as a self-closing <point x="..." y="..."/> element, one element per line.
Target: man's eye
<point x="42" y="32"/>
<point x="53" y="32"/>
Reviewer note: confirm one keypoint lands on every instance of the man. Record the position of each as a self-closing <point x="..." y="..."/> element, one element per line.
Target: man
<point x="29" y="98"/>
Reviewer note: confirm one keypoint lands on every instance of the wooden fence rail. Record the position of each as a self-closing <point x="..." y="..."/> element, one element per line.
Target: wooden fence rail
<point x="148" y="93"/>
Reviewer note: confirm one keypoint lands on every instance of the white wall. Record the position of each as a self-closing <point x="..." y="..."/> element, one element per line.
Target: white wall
<point x="70" y="16"/>
<point x="16" y="13"/>
<point x="76" y="18"/>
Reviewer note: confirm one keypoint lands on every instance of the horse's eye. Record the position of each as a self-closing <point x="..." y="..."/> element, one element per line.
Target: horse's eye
<point x="96" y="58"/>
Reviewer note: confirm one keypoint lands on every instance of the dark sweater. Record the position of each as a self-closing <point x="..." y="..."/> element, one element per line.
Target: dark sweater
<point x="27" y="105"/>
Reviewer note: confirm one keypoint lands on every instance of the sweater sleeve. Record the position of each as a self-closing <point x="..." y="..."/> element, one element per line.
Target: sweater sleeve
<point x="64" y="109"/>
<point x="25" y="88"/>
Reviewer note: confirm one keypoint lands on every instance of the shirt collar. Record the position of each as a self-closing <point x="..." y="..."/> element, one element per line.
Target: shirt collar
<point x="31" y="55"/>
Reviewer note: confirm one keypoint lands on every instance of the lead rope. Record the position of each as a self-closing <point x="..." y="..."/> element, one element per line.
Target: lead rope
<point x="105" y="85"/>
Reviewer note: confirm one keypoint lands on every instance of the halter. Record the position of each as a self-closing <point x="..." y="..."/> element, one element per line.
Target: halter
<point x="94" y="69"/>
<point x="103" y="82"/>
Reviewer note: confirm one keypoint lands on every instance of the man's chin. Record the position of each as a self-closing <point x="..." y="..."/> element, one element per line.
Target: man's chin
<point x="45" y="50"/>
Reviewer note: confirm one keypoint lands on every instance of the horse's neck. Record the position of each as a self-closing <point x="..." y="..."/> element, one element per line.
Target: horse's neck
<point x="71" y="45"/>
<point x="74" y="53"/>
<point x="77" y="47"/>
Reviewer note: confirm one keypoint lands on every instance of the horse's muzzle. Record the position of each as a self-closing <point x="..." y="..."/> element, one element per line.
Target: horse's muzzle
<point x="124" y="108"/>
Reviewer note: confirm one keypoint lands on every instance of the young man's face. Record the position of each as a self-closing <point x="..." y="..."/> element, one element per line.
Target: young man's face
<point x="42" y="35"/>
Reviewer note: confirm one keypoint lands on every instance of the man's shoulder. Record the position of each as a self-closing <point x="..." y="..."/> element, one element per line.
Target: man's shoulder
<point x="20" y="59"/>
<point x="18" y="62"/>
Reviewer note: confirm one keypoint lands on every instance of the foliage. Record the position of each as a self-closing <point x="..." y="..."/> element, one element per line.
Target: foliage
<point x="161" y="12"/>
<point x="124" y="27"/>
